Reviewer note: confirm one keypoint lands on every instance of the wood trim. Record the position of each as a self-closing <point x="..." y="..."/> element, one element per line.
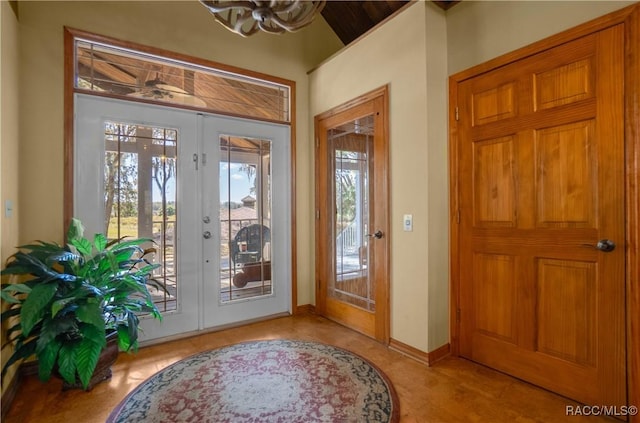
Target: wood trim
<point x="24" y="369"/>
<point x="630" y="17"/>
<point x="377" y="100"/>
<point x="587" y="28"/>
<point x="294" y="220"/>
<point x="78" y="33"/>
<point x="409" y="351"/>
<point x="370" y="96"/>
<point x="70" y="34"/>
<point x="305" y="309"/>
<point x="9" y="394"/>
<point x="425" y="358"/>
<point x="454" y="228"/>
<point x="439" y="353"/>
<point x="632" y="144"/>
<point x="68" y="129"/>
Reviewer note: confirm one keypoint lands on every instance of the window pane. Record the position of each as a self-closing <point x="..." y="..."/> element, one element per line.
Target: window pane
<point x="245" y="218"/>
<point x="140" y="76"/>
<point x="351" y="148"/>
<point x="140" y="195"/>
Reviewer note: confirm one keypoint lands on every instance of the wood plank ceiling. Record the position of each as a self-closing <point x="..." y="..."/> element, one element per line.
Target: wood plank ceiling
<point x="350" y="19"/>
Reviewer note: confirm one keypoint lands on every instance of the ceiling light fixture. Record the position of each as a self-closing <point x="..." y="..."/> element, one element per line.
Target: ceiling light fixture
<point x="275" y="16"/>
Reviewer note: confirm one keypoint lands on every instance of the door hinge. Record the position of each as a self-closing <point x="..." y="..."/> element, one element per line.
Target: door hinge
<point x="317" y="214"/>
<point x="458" y="315"/>
<point x="458" y="216"/>
<point x="317" y="142"/>
<point x="195" y="160"/>
<point x="457" y="114"/>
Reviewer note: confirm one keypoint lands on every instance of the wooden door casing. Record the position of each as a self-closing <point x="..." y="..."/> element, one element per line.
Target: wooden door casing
<point x="374" y="324"/>
<point x="541" y="180"/>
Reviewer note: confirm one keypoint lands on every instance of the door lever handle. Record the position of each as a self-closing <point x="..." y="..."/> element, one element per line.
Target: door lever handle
<point x="604" y="245"/>
<point x="377" y="235"/>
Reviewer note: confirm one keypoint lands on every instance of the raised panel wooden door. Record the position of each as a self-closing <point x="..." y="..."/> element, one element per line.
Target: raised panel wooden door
<point x="541" y="177"/>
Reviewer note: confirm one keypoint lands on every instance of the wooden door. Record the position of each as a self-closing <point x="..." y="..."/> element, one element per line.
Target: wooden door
<point x="351" y="217"/>
<point x="541" y="183"/>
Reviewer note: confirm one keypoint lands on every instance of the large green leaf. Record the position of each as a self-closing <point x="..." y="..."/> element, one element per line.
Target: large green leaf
<point x="9" y="298"/>
<point x="51" y="328"/>
<point x="61" y="304"/>
<point x="62" y="256"/>
<point x="100" y="242"/>
<point x="67" y="361"/>
<point x="124" y="341"/>
<point x="87" y="355"/>
<point x="17" y="287"/>
<point x="83" y="245"/>
<point x="91" y="313"/>
<point x="76" y="230"/>
<point x="34" y="306"/>
<point x="47" y="359"/>
<point x="31" y="264"/>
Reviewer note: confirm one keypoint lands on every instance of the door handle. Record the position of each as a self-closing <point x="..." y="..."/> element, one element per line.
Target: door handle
<point x="604" y="245"/>
<point x="206" y="234"/>
<point x="376" y="235"/>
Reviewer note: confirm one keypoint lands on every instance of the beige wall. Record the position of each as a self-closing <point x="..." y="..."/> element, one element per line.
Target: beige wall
<point x="396" y="54"/>
<point x="8" y="142"/>
<point x="481" y="30"/>
<point x="182" y="26"/>
<point x="414" y="53"/>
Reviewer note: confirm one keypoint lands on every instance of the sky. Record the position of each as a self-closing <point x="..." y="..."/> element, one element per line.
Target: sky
<point x="240" y="184"/>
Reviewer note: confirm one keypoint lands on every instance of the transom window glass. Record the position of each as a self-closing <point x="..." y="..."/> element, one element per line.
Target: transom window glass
<point x="140" y="76"/>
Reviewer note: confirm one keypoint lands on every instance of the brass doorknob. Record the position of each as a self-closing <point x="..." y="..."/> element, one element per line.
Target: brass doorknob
<point x="604" y="245"/>
<point x="376" y="235"/>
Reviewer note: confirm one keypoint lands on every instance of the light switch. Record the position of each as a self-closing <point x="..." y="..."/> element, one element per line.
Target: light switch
<point x="8" y="208"/>
<point x="408" y="222"/>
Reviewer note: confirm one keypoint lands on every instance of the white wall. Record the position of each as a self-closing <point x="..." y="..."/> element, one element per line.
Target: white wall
<point x="396" y="54"/>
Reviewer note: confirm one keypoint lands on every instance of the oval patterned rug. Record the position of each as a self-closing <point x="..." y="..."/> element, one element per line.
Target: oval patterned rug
<point x="264" y="381"/>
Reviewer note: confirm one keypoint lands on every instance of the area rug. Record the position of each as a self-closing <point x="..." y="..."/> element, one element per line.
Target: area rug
<point x="270" y="381"/>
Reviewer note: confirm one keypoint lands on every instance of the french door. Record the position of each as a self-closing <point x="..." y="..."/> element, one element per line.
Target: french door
<point x="211" y="192"/>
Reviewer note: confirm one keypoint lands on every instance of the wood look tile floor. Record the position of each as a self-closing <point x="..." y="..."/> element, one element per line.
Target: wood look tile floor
<point x="452" y="390"/>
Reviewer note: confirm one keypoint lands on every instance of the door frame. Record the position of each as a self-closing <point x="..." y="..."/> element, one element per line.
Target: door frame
<point x="630" y="18"/>
<point x="382" y="320"/>
<point x="70" y="34"/>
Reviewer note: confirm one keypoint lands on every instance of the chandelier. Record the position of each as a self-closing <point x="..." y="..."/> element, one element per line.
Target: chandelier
<point x="275" y="16"/>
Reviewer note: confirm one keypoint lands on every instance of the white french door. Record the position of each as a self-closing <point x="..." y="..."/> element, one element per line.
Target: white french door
<point x="213" y="193"/>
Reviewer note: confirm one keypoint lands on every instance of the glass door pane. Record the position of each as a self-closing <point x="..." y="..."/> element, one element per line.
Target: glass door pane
<point x="140" y="195"/>
<point x="245" y="218"/>
<point x="246" y="210"/>
<point x="351" y="150"/>
<point x="134" y="175"/>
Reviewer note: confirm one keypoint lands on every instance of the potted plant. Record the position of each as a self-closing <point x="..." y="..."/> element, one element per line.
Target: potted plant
<point x="71" y="298"/>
